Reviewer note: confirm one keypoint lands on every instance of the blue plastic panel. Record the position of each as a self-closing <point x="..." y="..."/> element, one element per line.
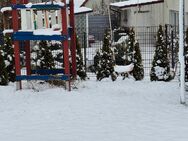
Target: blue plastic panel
<point x="42" y="77"/>
<point x="21" y="36"/>
<point x="47" y="71"/>
<point x="38" y="6"/>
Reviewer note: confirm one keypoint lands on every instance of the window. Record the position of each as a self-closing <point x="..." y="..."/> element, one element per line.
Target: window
<point x="174" y="17"/>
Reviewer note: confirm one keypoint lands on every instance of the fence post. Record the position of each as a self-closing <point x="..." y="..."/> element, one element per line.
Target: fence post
<point x="85" y="46"/>
<point x="166" y="35"/>
<point x="172" y="43"/>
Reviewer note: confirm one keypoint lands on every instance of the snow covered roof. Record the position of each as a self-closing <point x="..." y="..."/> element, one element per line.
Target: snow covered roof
<point x="131" y="3"/>
<point x="82" y="10"/>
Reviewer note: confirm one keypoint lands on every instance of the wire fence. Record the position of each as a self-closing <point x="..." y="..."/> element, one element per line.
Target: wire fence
<point x="146" y="36"/>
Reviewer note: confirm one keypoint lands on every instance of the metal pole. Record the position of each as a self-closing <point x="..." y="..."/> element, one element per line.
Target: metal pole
<point x="181" y="53"/>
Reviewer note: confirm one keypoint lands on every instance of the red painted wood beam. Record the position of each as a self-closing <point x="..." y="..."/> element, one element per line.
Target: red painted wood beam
<point x="65" y="43"/>
<point x="73" y="39"/>
<point x="16" y="43"/>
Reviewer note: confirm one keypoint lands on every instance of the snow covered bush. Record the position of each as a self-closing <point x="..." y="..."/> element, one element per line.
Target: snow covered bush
<point x="3" y="71"/>
<point x="128" y="52"/>
<point x="138" y="70"/>
<point x="186" y="55"/>
<point x="8" y="54"/>
<point x="160" y="70"/>
<point x="104" y="61"/>
<point x="42" y="57"/>
<point x="120" y="53"/>
<point x="57" y="53"/>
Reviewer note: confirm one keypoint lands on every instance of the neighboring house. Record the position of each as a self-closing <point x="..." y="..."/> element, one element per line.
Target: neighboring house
<point x="148" y="12"/>
<point x="100" y="7"/>
<point x="99" y="18"/>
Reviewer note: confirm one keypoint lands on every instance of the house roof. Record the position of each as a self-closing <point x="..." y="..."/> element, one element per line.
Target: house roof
<point x="85" y="1"/>
<point x="132" y="3"/>
<point x="82" y="10"/>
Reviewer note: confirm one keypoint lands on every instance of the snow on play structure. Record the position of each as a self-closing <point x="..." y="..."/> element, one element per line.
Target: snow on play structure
<point x="43" y="21"/>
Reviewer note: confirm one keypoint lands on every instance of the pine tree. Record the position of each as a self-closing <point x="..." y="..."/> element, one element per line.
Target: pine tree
<point x="104" y="62"/>
<point x="186" y="56"/>
<point x="81" y="72"/>
<point x="9" y="57"/>
<point x="130" y="47"/>
<point x="57" y="53"/>
<point x="160" y="70"/>
<point x="42" y="56"/>
<point x="138" y="70"/>
<point x="3" y="72"/>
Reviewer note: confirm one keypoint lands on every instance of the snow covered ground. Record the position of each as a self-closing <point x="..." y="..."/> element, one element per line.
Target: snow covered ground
<point x="123" y="110"/>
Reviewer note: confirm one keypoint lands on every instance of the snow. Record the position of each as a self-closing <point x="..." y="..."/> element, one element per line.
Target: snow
<point x="47" y="31"/>
<point x="78" y="10"/>
<point x="121" y="40"/>
<point x="122" y="69"/>
<point x="29" y="5"/>
<point x="160" y="73"/>
<point x="133" y="2"/>
<point x="56" y="27"/>
<point x="102" y="111"/>
<point x="8" y="31"/>
<point x="6" y="9"/>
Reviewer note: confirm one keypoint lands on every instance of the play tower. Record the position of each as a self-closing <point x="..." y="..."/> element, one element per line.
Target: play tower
<point x="34" y="24"/>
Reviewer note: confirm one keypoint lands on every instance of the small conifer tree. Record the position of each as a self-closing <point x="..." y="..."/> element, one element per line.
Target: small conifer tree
<point x="130" y="47"/>
<point x="9" y="57"/>
<point x="104" y="62"/>
<point x="44" y="58"/>
<point x="186" y="56"/>
<point x="160" y="70"/>
<point x="3" y="71"/>
<point x="138" y="70"/>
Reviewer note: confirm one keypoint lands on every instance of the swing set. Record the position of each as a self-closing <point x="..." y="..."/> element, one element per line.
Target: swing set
<point x="53" y="20"/>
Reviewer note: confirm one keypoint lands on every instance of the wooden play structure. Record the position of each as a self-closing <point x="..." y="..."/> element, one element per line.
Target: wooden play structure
<point x="53" y="20"/>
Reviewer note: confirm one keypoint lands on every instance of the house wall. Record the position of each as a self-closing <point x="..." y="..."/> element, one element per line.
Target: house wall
<point x="161" y="13"/>
<point x="97" y="7"/>
<point x="148" y="15"/>
<point x="173" y="5"/>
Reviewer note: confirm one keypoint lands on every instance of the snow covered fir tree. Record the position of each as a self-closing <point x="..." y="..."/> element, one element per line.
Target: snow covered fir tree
<point x="186" y="55"/>
<point x="81" y="72"/>
<point x="42" y="57"/>
<point x="3" y="71"/>
<point x="55" y="47"/>
<point x="104" y="61"/>
<point x="8" y="54"/>
<point x="160" y="70"/>
<point x="138" y="70"/>
<point x="130" y="47"/>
